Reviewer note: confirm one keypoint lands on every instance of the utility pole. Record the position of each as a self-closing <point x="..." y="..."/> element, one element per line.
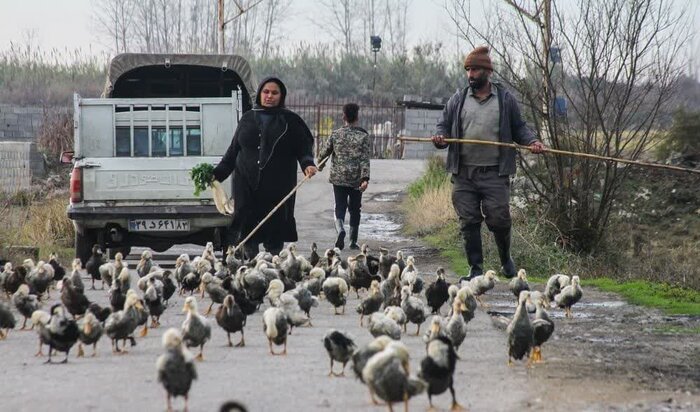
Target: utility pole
<point x="221" y="26"/>
<point x="222" y="23"/>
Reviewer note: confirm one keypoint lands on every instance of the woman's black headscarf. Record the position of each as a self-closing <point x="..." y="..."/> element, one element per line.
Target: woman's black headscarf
<point x="283" y="93"/>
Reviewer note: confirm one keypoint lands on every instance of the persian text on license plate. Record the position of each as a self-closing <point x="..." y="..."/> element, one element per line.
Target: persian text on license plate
<point x="159" y="225"/>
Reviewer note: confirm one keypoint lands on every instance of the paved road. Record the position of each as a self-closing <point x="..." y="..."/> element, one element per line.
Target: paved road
<point x="296" y="382"/>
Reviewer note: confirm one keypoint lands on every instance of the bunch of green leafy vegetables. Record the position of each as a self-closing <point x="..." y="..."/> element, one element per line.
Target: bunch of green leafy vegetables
<point x="202" y="175"/>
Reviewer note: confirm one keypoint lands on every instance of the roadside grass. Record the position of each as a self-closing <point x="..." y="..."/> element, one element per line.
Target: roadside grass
<point x="430" y="216"/>
<point x="29" y="221"/>
<point x="672" y="300"/>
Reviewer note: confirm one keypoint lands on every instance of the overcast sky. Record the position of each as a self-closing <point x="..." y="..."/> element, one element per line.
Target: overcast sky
<point x="69" y="24"/>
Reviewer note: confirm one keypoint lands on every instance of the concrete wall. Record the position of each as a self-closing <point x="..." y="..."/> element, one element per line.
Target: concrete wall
<point x="19" y="161"/>
<point x="19" y="123"/>
<point x="19" y="158"/>
<point x="420" y="122"/>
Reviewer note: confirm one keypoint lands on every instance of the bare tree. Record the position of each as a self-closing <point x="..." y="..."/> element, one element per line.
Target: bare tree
<point x="341" y="22"/>
<point x="620" y="61"/>
<point x="274" y="10"/>
<point x="115" y="18"/>
<point x="396" y="14"/>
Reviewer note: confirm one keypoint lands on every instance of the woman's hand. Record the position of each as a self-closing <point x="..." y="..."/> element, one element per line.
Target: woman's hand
<point x="363" y="185"/>
<point x="310" y="171"/>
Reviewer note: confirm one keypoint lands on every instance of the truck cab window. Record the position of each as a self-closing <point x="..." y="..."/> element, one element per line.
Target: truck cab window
<point x="194" y="141"/>
<point x="176" y="143"/>
<point x="158" y="142"/>
<point x="123" y="141"/>
<point x="140" y="141"/>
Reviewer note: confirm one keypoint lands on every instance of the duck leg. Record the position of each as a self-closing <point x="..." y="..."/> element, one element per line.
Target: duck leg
<point x="362" y="316"/>
<point x="200" y="357"/>
<point x="49" y="360"/>
<point x="372" y="398"/>
<point x="2" y="335"/>
<point x="24" y="324"/>
<point x="269" y="343"/>
<point x="94" y="349"/>
<point x="228" y="335"/>
<point x="342" y="372"/>
<point x="209" y="310"/>
<point x="168" y="402"/>
<point x="66" y="358"/>
<point x="144" y="331"/>
<point x="455" y="407"/>
<point x="39" y="353"/>
<point x="242" y="342"/>
<point x="330" y="373"/>
<point x="81" y="352"/>
<point x="418" y="329"/>
<point x="284" y="352"/>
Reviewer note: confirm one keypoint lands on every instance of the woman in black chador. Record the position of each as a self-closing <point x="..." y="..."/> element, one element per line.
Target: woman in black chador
<point x="268" y="143"/>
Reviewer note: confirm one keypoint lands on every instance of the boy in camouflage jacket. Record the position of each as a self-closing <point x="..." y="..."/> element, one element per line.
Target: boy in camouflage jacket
<point x="349" y="148"/>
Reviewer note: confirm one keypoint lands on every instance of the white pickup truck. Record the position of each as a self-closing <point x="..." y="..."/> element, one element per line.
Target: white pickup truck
<point x="160" y="115"/>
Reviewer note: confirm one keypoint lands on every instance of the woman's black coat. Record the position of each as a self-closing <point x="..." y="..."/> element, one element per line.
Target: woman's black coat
<point x="263" y="160"/>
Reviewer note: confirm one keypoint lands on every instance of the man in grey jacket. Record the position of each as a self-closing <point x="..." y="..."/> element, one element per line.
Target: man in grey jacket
<point x="481" y="173"/>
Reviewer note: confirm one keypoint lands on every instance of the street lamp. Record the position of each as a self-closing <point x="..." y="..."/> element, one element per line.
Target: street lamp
<point x="376" y="43"/>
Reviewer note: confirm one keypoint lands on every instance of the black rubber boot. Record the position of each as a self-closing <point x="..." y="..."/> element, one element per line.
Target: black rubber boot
<point x="502" y="237"/>
<point x="353" y="237"/>
<point x="340" y="240"/>
<point x="251" y="250"/>
<point x="274" y="248"/>
<point x="472" y="248"/>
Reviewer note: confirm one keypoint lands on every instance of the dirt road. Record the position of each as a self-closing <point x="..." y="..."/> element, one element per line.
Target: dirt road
<point x="611" y="356"/>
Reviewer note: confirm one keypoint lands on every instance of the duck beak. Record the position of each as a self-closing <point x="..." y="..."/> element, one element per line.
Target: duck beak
<point x="87" y="329"/>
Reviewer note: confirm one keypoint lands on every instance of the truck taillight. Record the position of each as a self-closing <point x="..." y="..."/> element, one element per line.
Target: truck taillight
<point x="76" y="185"/>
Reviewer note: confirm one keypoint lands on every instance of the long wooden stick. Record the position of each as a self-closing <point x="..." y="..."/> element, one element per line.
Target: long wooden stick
<point x="556" y="151"/>
<point x="272" y="212"/>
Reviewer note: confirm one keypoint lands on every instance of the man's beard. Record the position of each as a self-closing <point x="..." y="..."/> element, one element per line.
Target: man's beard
<point x="477" y="83"/>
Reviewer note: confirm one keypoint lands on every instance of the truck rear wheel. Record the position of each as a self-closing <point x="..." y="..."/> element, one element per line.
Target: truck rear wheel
<point x="84" y="243"/>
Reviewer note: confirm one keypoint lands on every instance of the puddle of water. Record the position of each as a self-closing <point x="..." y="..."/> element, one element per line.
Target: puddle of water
<point x="603" y="340"/>
<point x="377" y="226"/>
<point x="609" y="304"/>
<point x="559" y="314"/>
<point x="386" y="197"/>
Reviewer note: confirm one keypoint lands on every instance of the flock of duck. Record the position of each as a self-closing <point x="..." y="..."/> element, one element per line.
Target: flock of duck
<point x="395" y="293"/>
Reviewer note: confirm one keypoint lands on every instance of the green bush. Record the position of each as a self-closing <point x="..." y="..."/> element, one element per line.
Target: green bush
<point x="434" y="177"/>
<point x="682" y="139"/>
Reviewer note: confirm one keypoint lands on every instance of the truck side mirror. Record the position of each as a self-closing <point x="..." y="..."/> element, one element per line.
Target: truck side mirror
<point x="67" y="157"/>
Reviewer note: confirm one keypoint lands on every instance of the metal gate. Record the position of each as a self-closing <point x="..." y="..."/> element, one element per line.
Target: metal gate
<point x="383" y="123"/>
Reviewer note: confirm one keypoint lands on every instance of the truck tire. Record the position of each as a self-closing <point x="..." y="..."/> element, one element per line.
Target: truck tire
<point x="83" y="244"/>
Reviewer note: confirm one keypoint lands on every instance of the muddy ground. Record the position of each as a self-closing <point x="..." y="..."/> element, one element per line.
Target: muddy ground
<point x="611" y="356"/>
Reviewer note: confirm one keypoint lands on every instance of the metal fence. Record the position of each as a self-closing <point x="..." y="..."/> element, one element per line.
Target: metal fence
<point x="383" y="123"/>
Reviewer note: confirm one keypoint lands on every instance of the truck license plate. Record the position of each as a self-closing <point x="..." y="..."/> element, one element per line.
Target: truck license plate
<point x="159" y="225"/>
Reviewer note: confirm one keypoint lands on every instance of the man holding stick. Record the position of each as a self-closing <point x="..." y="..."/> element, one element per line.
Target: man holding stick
<point x="481" y="173"/>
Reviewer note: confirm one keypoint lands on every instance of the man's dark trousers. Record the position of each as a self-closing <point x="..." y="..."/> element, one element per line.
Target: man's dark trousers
<point x="350" y="199"/>
<point x="483" y="196"/>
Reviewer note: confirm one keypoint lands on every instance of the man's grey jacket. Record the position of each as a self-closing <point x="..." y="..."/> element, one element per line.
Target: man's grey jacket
<point x="512" y="128"/>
